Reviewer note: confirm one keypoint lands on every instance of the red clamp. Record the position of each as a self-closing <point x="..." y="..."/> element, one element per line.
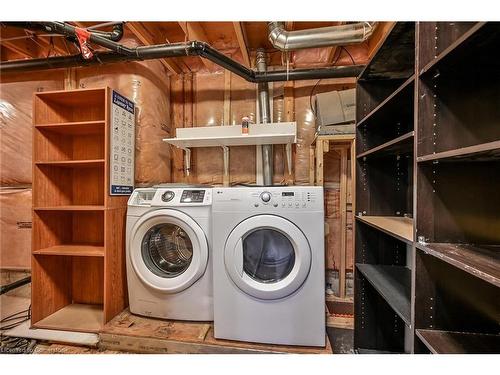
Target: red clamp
<point x="83" y="39"/>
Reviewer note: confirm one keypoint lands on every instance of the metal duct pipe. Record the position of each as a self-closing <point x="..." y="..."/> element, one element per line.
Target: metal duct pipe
<point x="265" y="117"/>
<point x="320" y="37"/>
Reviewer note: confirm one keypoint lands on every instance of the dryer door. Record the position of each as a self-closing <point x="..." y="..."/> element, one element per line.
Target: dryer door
<point x="168" y="250"/>
<point x="267" y="257"/>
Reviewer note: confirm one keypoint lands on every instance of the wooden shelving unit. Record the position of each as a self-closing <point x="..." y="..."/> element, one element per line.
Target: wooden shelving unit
<point x="427" y="196"/>
<point x="78" y="276"/>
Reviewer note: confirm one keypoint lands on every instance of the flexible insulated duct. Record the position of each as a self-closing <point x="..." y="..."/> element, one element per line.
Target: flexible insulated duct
<point x="352" y="33"/>
<point x="120" y="53"/>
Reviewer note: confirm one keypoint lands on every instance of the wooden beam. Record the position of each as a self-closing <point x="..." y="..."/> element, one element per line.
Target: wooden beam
<point x="343" y="221"/>
<point x="227" y="98"/>
<point x="194" y="31"/>
<point x="70" y="79"/>
<point x="17" y="49"/>
<point x="378" y="37"/>
<point x="312" y="160"/>
<point x="46" y="42"/>
<point x="319" y="162"/>
<point x="141" y="33"/>
<point x="23" y="46"/>
<point x="240" y="36"/>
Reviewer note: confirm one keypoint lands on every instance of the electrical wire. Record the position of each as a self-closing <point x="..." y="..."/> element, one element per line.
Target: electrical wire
<point x="19" y="317"/>
<point x="345" y="49"/>
<point x="333" y="64"/>
<point x="15" y="345"/>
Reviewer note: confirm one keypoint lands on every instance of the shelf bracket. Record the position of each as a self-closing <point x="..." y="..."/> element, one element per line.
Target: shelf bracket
<point x="288" y="149"/>
<point x="225" y="178"/>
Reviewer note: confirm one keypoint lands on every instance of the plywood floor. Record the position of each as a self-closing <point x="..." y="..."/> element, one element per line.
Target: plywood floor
<point x="146" y="335"/>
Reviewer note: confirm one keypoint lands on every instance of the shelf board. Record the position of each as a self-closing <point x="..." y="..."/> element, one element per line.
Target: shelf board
<point x="480" y="261"/>
<point x="78" y="98"/>
<point x="393" y="284"/>
<point x="460" y="42"/>
<point x="395" y="58"/>
<point x="71" y="208"/>
<point x="74" y="317"/>
<point x="387" y="101"/>
<point x="74" y="128"/>
<point x="482" y="152"/>
<point x="72" y="250"/>
<point x="395" y="146"/>
<point x="396" y="226"/>
<point x="213" y="136"/>
<point x="446" y="342"/>
<point x="73" y="163"/>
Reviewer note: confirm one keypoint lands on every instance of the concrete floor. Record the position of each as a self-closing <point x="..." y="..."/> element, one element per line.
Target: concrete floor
<point x="342" y="340"/>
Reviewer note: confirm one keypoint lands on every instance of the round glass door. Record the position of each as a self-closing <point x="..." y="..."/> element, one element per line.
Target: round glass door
<point x="167" y="250"/>
<point x="268" y="256"/>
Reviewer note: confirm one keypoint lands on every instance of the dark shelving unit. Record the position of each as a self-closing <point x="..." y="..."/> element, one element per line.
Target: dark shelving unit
<point x="427" y="255"/>
<point x="457" y="184"/>
<point x="393" y="284"/>
<point x="384" y="196"/>
<point x="400" y="145"/>
<point x="442" y="342"/>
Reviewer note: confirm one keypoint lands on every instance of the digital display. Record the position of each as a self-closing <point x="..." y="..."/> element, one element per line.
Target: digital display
<point x="287" y="194"/>
<point x="192" y="196"/>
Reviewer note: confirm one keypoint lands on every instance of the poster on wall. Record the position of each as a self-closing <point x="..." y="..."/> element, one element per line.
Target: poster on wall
<point x="122" y="147"/>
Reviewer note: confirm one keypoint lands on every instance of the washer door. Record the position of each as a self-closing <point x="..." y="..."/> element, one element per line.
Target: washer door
<point x="168" y="250"/>
<point x="267" y="257"/>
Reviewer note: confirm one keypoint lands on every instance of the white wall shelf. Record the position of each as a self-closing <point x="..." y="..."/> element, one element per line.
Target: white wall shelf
<point x="214" y="136"/>
<point x="231" y="135"/>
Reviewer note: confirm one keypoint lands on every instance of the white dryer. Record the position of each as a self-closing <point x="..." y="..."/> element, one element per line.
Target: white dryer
<point x="268" y="245"/>
<point x="169" y="265"/>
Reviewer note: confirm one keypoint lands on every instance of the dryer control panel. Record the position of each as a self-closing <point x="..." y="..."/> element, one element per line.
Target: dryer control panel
<point x="270" y="198"/>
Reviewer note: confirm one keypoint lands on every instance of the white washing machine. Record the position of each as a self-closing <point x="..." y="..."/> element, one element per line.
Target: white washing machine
<point x="169" y="265"/>
<point x="268" y="245"/>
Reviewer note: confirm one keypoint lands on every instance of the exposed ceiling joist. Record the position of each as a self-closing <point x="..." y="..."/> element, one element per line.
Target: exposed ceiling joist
<point x="240" y="36"/>
<point x="146" y="38"/>
<point x="17" y="49"/>
<point x="52" y="45"/>
<point x="19" y="42"/>
<point x="194" y="31"/>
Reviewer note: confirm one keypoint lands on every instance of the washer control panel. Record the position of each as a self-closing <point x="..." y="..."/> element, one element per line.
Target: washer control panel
<point x="192" y="196"/>
<point x="171" y="197"/>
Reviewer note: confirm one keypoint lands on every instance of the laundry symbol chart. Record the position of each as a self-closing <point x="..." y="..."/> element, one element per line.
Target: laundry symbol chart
<point x="122" y="145"/>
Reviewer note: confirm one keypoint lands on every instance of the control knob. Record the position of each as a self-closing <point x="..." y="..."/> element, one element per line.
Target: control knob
<point x="167" y="196"/>
<point x="265" y="196"/>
